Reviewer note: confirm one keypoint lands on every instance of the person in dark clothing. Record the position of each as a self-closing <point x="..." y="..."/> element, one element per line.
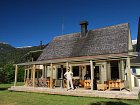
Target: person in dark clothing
<point x="87" y="76"/>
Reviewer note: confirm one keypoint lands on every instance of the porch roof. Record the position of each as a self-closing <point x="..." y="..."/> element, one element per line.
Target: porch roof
<point x="83" y="58"/>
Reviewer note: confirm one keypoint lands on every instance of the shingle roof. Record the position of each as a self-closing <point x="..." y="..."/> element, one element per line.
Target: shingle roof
<point x="108" y="40"/>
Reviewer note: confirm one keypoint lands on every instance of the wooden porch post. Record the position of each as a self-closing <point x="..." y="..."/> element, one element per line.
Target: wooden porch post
<point x="16" y="72"/>
<point x="51" y="76"/>
<point x="25" y="76"/>
<point x="61" y="76"/>
<point x="119" y="67"/>
<point x="122" y="69"/>
<point x="26" y="83"/>
<point x="92" y="73"/>
<point x="85" y="70"/>
<point x="45" y="70"/>
<point x="129" y="73"/>
<point x="67" y="67"/>
<point x="108" y="71"/>
<point x="33" y="70"/>
<point x="30" y="75"/>
<point x="80" y="72"/>
<point x="28" y="72"/>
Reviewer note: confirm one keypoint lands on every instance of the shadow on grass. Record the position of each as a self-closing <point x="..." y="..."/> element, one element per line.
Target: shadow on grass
<point x="1" y="89"/>
<point x="109" y="103"/>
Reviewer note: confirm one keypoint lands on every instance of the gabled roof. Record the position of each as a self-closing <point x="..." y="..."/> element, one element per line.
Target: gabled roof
<point x="108" y="40"/>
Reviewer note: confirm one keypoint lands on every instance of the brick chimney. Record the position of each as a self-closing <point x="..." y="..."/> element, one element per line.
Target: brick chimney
<point x="138" y="38"/>
<point x="83" y="28"/>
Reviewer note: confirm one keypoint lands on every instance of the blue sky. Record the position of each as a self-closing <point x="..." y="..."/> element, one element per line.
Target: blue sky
<point x="27" y="22"/>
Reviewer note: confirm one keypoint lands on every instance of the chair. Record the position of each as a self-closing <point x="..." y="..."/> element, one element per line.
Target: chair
<point x="29" y="82"/>
<point x="81" y="83"/>
<point x="40" y="82"/>
<point x="76" y="83"/>
<point x="116" y="84"/>
<point x="58" y="83"/>
<point x="44" y="82"/>
<point x="87" y="84"/>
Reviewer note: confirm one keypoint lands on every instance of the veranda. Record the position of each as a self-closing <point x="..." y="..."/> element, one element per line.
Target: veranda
<point x="109" y="75"/>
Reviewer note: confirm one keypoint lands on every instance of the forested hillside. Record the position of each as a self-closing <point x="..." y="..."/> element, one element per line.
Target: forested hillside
<point x="10" y="55"/>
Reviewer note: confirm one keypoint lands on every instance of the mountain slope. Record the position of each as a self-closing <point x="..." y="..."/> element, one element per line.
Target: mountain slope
<point x="5" y="47"/>
<point x="9" y="54"/>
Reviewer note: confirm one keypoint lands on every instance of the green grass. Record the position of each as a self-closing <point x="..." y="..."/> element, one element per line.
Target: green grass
<point x="5" y="86"/>
<point x="25" y="98"/>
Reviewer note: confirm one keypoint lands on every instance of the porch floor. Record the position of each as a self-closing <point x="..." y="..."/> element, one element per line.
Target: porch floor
<point x="124" y="94"/>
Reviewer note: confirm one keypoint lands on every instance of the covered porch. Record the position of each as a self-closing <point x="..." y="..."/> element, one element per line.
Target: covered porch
<point x="107" y="73"/>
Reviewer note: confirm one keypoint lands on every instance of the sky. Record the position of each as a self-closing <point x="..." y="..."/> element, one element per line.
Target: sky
<point x="27" y="22"/>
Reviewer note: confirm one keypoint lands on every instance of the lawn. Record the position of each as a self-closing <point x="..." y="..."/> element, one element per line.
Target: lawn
<point x="5" y="86"/>
<point x="24" y="98"/>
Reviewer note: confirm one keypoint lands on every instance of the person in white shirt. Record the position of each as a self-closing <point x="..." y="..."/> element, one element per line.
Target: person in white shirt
<point x="68" y="75"/>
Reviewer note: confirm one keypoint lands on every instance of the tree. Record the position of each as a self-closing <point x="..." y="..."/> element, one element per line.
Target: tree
<point x="20" y="76"/>
<point x="9" y="70"/>
<point x="2" y="75"/>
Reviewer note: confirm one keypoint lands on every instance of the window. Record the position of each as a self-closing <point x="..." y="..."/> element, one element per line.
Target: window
<point x="134" y="70"/>
<point x="75" y="70"/>
<point x="59" y="72"/>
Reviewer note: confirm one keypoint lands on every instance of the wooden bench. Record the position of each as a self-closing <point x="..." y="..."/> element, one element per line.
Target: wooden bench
<point x="116" y="84"/>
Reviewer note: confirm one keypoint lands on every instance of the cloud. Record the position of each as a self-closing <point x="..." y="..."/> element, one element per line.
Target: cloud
<point x="134" y="41"/>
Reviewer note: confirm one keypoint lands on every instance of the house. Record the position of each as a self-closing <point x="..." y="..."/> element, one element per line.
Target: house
<point x="135" y="68"/>
<point x="105" y="53"/>
<point x="135" y="63"/>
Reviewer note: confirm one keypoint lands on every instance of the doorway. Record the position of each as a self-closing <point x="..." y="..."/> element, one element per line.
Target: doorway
<point x="96" y="75"/>
<point x="59" y="73"/>
<point x="114" y="70"/>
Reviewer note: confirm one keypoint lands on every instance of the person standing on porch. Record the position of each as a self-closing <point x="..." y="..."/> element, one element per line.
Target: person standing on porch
<point x="87" y="76"/>
<point x="68" y="75"/>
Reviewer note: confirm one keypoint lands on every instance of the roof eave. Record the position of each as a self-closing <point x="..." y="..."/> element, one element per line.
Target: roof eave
<point x="83" y="58"/>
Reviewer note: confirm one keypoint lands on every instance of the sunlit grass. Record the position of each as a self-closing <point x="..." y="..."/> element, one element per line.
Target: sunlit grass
<point x="26" y="98"/>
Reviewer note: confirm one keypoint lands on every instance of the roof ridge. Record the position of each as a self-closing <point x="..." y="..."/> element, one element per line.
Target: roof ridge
<point x="67" y="34"/>
<point x="90" y="30"/>
<point x="109" y="26"/>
